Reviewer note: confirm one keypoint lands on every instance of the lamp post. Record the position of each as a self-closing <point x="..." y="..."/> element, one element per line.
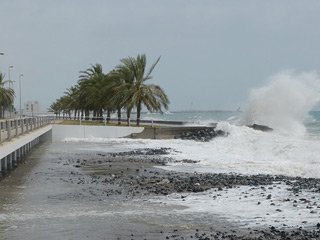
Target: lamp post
<point x="9" y="74"/>
<point x="20" y="76"/>
<point x="10" y="87"/>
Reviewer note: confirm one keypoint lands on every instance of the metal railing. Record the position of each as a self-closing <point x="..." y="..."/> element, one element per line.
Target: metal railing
<point x="12" y="128"/>
<point x="105" y="120"/>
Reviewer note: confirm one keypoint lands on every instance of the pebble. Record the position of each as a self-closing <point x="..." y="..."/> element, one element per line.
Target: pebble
<point x="133" y="183"/>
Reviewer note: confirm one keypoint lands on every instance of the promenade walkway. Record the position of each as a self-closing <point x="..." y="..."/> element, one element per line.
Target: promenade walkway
<point x="19" y="136"/>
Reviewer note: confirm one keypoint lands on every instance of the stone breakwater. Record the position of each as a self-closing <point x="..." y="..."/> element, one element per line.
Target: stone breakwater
<point x="128" y="176"/>
<point x="204" y="135"/>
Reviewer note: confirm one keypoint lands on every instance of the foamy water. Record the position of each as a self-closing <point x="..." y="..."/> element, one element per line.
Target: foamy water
<point x="292" y="149"/>
<point x="284" y="103"/>
<point x="248" y="206"/>
<point x="244" y="151"/>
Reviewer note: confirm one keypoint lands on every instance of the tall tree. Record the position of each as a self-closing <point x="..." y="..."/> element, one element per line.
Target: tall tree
<point x="55" y="108"/>
<point x="6" y="96"/>
<point x="88" y="81"/>
<point x="74" y="99"/>
<point x="135" y="91"/>
<point x="117" y="90"/>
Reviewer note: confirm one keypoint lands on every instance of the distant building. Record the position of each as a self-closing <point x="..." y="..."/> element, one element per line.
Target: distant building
<point x="32" y="107"/>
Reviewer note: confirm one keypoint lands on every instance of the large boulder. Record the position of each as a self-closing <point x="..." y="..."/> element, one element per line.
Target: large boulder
<point x="204" y="135"/>
<point x="260" y="127"/>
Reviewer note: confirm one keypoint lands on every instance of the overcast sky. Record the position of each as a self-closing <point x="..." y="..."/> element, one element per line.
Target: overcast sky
<point x="212" y="52"/>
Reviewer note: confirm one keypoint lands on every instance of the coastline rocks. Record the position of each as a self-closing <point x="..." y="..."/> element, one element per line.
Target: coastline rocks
<point x="128" y="176"/>
<point x="144" y="152"/>
<point x="260" y="127"/>
<point x="201" y="135"/>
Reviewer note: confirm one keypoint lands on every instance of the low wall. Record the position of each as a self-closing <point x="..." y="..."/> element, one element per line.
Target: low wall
<point x="165" y="132"/>
<point x="60" y="132"/>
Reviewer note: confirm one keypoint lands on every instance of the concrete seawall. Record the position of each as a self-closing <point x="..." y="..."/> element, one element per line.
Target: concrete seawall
<point x="165" y="132"/>
<point x="61" y="132"/>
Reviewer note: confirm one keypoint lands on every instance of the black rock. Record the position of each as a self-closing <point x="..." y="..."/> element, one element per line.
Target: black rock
<point x="204" y="135"/>
<point x="260" y="127"/>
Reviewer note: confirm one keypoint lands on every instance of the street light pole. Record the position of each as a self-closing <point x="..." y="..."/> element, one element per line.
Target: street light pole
<point x="20" y="76"/>
<point x="9" y="74"/>
<point x="10" y="87"/>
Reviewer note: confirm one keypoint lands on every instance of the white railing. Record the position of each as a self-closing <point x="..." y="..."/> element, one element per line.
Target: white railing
<point x="107" y="120"/>
<point x="12" y="128"/>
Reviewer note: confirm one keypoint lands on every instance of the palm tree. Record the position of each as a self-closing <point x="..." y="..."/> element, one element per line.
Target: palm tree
<point x="135" y="91"/>
<point x="124" y="81"/>
<point x="117" y="90"/>
<point x="98" y="92"/>
<point x="55" y="108"/>
<point x="6" y="96"/>
<point x="122" y="88"/>
<point x="73" y="94"/>
<point x="88" y="82"/>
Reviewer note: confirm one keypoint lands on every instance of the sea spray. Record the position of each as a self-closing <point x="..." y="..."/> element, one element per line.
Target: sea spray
<point x="284" y="102"/>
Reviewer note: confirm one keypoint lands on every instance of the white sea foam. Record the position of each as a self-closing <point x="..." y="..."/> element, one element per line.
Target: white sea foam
<point x="248" y="151"/>
<point x="284" y="102"/>
<point x="249" y="207"/>
<point x="244" y="151"/>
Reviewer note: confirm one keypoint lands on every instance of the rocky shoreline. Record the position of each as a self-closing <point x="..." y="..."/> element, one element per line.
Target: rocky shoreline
<point x="126" y="176"/>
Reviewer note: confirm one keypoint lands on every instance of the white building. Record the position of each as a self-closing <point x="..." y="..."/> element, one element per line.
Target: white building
<point x="32" y="107"/>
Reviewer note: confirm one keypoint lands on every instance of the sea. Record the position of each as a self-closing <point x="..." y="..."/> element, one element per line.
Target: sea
<point x="33" y="205"/>
<point x="291" y="149"/>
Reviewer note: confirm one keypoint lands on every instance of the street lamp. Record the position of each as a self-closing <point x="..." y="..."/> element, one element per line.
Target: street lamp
<point x="20" y="76"/>
<point x="10" y="87"/>
<point x="9" y="74"/>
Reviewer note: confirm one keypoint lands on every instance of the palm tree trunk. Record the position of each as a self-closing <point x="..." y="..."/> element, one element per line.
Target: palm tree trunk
<point x="94" y="117"/>
<point x="128" y="116"/>
<point x="87" y="114"/>
<point x="138" y="113"/>
<point x="119" y="116"/>
<point x="101" y="115"/>
<point x="1" y="112"/>
<point x="108" y="115"/>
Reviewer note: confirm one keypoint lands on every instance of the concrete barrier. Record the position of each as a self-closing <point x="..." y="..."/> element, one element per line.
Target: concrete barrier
<point x="61" y="132"/>
<point x="165" y="132"/>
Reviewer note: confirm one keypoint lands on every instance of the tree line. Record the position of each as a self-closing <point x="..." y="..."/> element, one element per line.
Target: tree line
<point x="123" y="88"/>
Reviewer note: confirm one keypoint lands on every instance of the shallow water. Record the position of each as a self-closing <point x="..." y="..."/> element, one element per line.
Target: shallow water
<point x="37" y="203"/>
